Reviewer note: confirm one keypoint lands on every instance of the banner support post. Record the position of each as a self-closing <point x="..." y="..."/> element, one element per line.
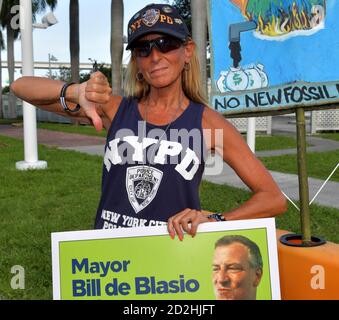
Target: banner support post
<point x="302" y="176"/>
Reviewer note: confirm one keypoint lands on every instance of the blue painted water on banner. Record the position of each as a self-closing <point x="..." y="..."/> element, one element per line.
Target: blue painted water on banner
<point x="310" y="53"/>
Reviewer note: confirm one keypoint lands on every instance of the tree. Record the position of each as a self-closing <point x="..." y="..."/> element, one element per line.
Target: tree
<point x="2" y="47"/>
<point x="63" y="74"/>
<point x="199" y="34"/>
<point x="74" y="39"/>
<point x="184" y="8"/>
<point x="195" y="16"/>
<point x="6" y="19"/>
<point x="84" y="76"/>
<point x="117" y="32"/>
<point x="8" y="14"/>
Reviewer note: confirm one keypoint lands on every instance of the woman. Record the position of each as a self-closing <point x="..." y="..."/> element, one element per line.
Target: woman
<point x="157" y="134"/>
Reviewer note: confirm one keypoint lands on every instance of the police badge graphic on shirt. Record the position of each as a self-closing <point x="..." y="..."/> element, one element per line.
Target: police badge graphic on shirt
<point x="142" y="184"/>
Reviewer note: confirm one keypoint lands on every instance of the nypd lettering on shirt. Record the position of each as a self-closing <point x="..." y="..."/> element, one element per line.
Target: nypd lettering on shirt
<point x="143" y="181"/>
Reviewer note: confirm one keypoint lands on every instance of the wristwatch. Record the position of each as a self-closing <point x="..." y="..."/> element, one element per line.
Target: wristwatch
<point x="217" y="216"/>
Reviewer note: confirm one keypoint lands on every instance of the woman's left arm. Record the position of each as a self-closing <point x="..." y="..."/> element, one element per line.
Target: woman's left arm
<point x="266" y="201"/>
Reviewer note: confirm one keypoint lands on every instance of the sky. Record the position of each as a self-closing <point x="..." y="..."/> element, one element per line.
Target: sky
<point x="95" y="25"/>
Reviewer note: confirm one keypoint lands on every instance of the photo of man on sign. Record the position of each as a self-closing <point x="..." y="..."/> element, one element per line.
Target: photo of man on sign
<point x="237" y="268"/>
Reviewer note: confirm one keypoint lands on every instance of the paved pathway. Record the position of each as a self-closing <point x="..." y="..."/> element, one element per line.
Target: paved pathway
<point x="54" y="138"/>
<point x="220" y="173"/>
<point x="316" y="145"/>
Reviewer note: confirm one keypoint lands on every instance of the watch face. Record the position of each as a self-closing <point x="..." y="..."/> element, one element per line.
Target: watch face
<point x="217" y="216"/>
<point x="220" y="217"/>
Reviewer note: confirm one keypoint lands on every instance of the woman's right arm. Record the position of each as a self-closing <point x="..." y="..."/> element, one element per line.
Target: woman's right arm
<point x="98" y="106"/>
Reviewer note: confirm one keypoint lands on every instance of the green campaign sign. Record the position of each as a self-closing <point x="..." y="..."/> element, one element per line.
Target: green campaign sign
<point x="278" y="99"/>
<point x="144" y="263"/>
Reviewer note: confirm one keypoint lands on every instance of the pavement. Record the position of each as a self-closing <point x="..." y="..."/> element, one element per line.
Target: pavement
<point x="216" y="170"/>
<point x="54" y="138"/>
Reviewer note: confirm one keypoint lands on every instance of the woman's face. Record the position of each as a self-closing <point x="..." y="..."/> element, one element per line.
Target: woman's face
<point x="163" y="69"/>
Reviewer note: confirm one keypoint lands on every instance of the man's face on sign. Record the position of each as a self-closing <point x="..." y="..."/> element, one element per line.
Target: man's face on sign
<point x="233" y="276"/>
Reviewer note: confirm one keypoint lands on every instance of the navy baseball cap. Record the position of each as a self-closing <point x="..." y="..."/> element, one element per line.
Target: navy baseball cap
<point x="156" y="18"/>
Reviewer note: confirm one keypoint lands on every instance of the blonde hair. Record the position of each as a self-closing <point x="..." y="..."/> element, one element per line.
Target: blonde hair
<point x="191" y="81"/>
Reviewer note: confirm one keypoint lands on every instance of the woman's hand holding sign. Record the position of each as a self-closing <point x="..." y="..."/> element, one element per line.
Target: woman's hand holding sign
<point x="188" y="221"/>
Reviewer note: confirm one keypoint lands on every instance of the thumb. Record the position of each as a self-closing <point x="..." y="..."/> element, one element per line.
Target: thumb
<point x="96" y="119"/>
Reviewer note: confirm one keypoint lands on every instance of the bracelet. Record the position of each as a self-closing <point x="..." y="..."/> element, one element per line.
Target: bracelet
<point x="217" y="216"/>
<point x="63" y="98"/>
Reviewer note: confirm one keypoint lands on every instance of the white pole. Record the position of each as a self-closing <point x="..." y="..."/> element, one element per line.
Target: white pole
<point x="251" y="133"/>
<point x="29" y="112"/>
<point x="49" y="66"/>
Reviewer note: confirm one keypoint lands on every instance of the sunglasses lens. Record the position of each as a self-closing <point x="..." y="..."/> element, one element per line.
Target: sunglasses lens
<point x="164" y="44"/>
<point x="142" y="49"/>
<point x="168" y="44"/>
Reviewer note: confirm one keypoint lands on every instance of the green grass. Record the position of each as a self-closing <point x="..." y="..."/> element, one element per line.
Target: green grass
<point x="9" y="121"/>
<point x="319" y="164"/>
<point x="80" y="129"/>
<point x="220" y="198"/>
<point x="331" y="136"/>
<point x="265" y="143"/>
<point x="65" y="197"/>
<point x="33" y="204"/>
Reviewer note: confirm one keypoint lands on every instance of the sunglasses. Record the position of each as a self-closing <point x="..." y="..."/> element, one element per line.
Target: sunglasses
<point x="163" y="44"/>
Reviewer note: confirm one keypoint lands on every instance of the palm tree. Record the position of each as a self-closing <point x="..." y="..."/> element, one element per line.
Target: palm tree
<point x="2" y="47"/>
<point x="117" y="19"/>
<point x="199" y="33"/>
<point x="74" y="38"/>
<point x="184" y="8"/>
<point x="12" y="34"/>
<point x="6" y="19"/>
<point x="195" y="15"/>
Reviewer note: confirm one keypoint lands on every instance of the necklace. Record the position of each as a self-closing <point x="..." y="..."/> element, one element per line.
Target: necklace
<point x="144" y="187"/>
<point x="163" y="134"/>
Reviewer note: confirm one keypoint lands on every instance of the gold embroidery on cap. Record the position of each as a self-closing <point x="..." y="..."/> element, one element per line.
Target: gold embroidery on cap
<point x="136" y="25"/>
<point x="167" y="19"/>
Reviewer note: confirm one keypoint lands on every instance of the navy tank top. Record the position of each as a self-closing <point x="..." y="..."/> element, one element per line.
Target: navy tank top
<point x="150" y="173"/>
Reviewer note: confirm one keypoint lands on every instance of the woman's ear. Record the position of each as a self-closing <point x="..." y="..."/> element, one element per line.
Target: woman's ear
<point x="189" y="50"/>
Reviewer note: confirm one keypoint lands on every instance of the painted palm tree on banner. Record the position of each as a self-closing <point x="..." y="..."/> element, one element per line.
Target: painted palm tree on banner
<point x="9" y="21"/>
<point x="117" y="33"/>
<point x="74" y="39"/>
